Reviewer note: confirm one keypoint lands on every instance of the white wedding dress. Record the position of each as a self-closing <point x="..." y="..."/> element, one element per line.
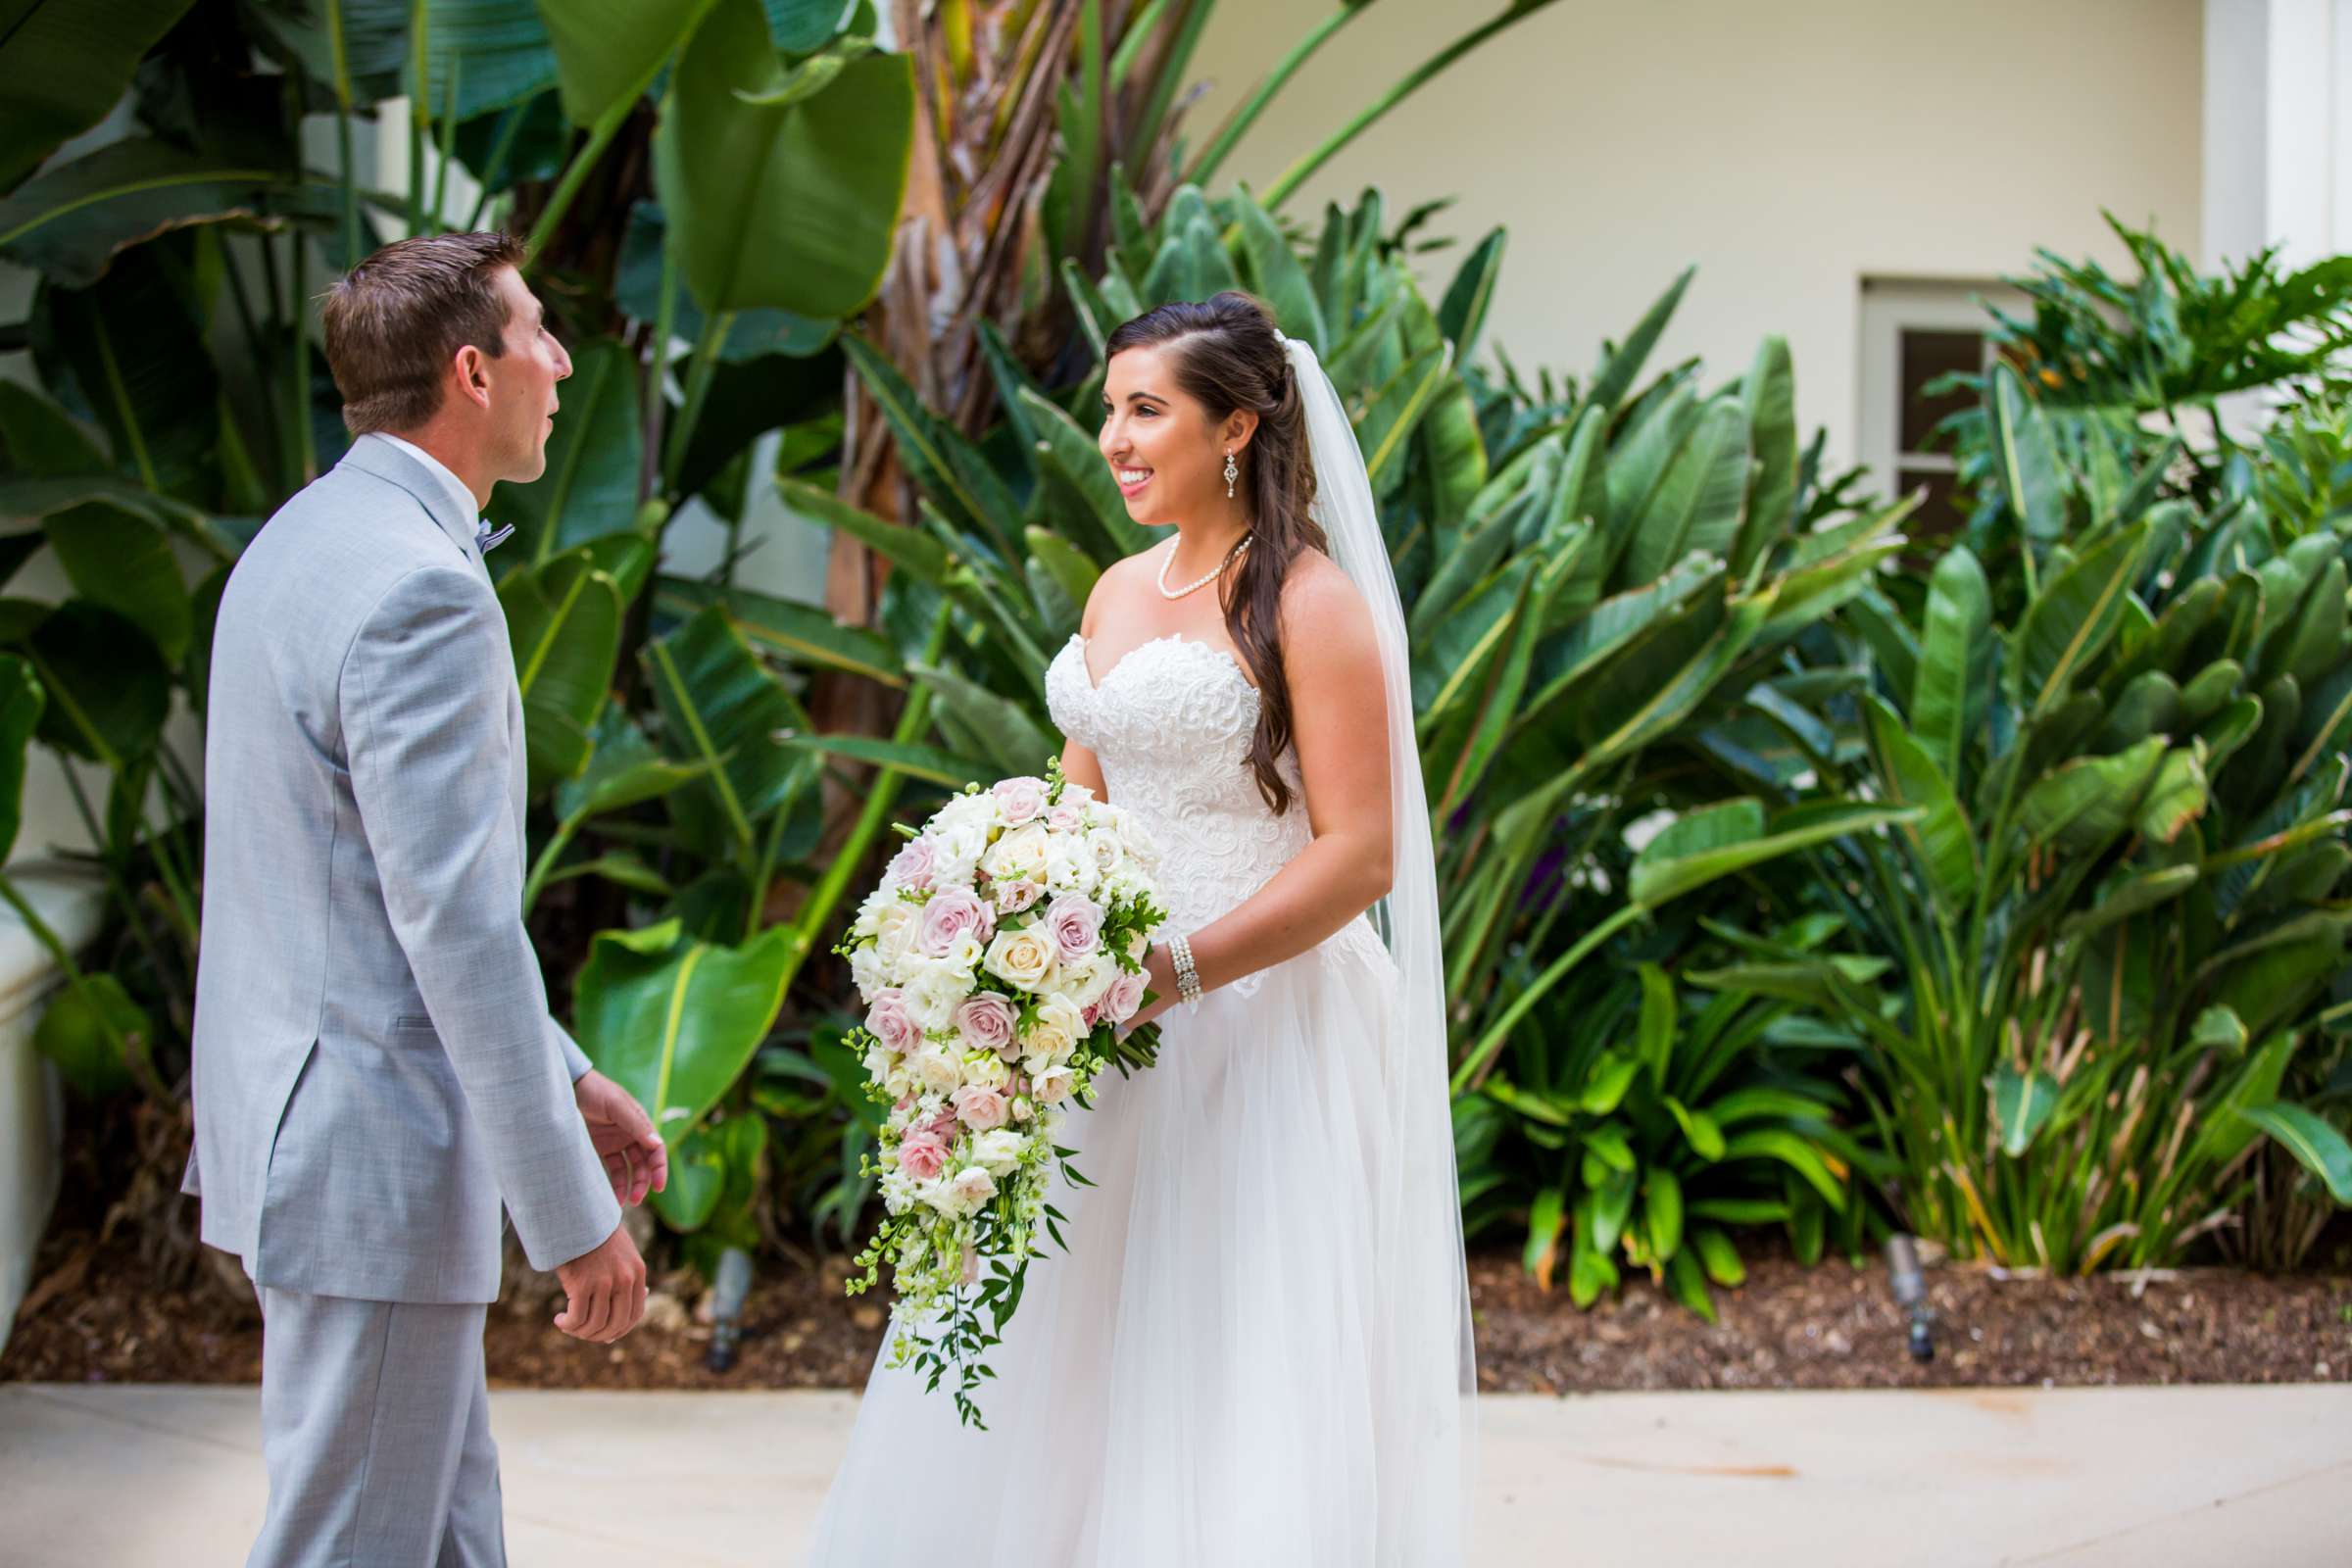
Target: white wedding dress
<point x="1239" y="1359"/>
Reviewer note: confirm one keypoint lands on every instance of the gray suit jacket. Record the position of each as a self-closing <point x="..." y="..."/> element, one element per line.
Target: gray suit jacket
<point x="375" y="1067"/>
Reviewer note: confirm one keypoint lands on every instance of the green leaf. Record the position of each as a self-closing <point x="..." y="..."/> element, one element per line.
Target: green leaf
<point x="2176" y="797"/>
<point x="1463" y="312"/>
<point x="1717" y="841"/>
<point x="75" y="1033"/>
<point x="1955" y="662"/>
<point x="1662" y="1214"/>
<point x="1683" y="1277"/>
<point x="926" y="762"/>
<point x="786" y="205"/>
<point x="676" y="1021"/>
<point x="909" y="549"/>
<point x="1545" y="1217"/>
<point x="801" y="633"/>
<point x="721" y="709"/>
<point x="1015" y="744"/>
<point x="1943" y="835"/>
<point x="1068" y="567"/>
<point x="951" y="473"/>
<point x="1718" y="1256"/>
<point x="1698" y="501"/>
<point x="109" y="690"/>
<point x="2070" y="620"/>
<point x="1612" y="1210"/>
<point x="608" y="52"/>
<point x="2219" y="1026"/>
<point x="1699" y="1128"/>
<point x="21" y="700"/>
<point x="2025" y="459"/>
<point x="2021" y="1102"/>
<point x="67" y="63"/>
<point x="1276" y="275"/>
<point x="589" y="487"/>
<point x="1611" y="1076"/>
<point x="2318" y="1147"/>
<point x="623" y="770"/>
<point x="71" y="221"/>
<point x="564" y="621"/>
<point x="2085" y="803"/>
<point x="124" y="562"/>
<point x="1768" y="398"/>
<point x="1794" y="1152"/>
<point x="1658" y="1020"/>
<point x="1614" y="376"/>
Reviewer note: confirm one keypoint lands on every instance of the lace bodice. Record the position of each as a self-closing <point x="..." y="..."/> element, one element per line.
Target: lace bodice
<point x="1171" y="724"/>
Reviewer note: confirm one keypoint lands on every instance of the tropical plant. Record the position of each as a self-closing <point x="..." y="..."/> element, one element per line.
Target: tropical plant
<point x="2115" y="916"/>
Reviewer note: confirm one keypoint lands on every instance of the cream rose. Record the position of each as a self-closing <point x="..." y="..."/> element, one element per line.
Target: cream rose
<point x="1021" y="955"/>
<point x="1020" y="854"/>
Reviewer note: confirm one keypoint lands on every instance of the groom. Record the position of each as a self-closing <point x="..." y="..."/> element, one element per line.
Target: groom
<point x="375" y="1068"/>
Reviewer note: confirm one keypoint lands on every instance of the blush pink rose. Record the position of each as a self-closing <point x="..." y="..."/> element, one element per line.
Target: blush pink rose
<point x="1019" y="798"/>
<point x="1076" y="922"/>
<point x="888" y="1019"/>
<point x="915" y="866"/>
<point x="1016" y="894"/>
<point x="1092" y="1013"/>
<point x="1066" y="818"/>
<point x="950" y="913"/>
<point x="981" y="1107"/>
<point x="986" y="1021"/>
<point x="942" y="1127"/>
<point x="922" y="1157"/>
<point x="1125" y="997"/>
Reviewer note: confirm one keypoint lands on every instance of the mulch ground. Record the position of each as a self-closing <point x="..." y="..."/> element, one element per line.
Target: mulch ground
<point x="94" y="1315"/>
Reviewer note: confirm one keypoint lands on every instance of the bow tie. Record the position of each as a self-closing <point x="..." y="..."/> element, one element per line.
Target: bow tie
<point x="485" y="540"/>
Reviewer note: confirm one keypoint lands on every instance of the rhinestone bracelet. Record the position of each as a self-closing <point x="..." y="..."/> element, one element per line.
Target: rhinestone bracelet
<point x="1188" y="979"/>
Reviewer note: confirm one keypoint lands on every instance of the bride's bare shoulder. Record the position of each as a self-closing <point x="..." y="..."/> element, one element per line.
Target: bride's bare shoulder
<point x="1120" y="583"/>
<point x="1320" y="600"/>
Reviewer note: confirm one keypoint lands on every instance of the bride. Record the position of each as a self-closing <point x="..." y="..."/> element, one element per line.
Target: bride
<point x="1256" y="1349"/>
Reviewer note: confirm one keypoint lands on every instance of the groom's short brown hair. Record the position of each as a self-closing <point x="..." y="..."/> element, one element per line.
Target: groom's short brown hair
<point x="393" y="321"/>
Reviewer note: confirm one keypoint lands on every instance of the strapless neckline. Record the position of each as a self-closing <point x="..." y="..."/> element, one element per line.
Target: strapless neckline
<point x="1078" y="641"/>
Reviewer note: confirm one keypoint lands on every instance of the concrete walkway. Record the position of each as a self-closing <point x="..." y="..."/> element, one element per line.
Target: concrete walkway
<point x="2068" y="1478"/>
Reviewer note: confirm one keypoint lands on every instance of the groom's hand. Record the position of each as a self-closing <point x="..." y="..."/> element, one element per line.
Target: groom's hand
<point x="604" y="1290"/>
<point x="634" y="1156"/>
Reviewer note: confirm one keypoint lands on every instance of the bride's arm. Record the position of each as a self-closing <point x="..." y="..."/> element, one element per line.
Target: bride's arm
<point x="1340" y="724"/>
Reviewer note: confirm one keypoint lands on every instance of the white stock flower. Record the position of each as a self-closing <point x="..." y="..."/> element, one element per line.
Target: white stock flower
<point x="998" y="1152"/>
<point x="934" y="991"/>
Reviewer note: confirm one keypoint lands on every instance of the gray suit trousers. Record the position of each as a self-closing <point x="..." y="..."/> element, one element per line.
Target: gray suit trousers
<point x="375" y="1428"/>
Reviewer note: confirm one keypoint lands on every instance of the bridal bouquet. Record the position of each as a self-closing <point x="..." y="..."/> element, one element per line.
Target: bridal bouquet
<point x="996" y="961"/>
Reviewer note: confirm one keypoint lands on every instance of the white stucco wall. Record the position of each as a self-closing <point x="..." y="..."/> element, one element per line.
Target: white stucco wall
<point x="1788" y="149"/>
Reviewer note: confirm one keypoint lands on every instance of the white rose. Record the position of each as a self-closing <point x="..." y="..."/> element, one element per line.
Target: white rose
<point x="998" y="1152"/>
<point x="1022" y="1108"/>
<point x="1056" y="1084"/>
<point x="986" y="1067"/>
<point x="1056" y="1034"/>
<point x="972" y="1187"/>
<point x="895" y="927"/>
<point x="936" y="1070"/>
<point x="900" y="1084"/>
<point x="1021" y="956"/>
<point x="1020" y="854"/>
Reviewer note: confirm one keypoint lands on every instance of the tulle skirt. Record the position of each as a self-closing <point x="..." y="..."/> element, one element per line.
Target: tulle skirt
<point x="1240" y="1360"/>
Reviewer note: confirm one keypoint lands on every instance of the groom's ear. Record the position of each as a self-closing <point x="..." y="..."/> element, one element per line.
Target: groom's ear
<point x="469" y="375"/>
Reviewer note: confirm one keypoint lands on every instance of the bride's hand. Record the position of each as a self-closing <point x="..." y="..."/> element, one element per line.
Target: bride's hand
<point x="1160" y="987"/>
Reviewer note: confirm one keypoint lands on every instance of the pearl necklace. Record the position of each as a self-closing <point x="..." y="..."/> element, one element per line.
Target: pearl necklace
<point x="1231" y="556"/>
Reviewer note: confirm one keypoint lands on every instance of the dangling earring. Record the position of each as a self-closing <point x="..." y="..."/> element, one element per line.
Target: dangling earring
<point x="1230" y="473"/>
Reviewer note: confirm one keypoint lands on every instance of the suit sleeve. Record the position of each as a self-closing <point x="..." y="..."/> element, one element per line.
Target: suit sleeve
<point x="425" y="699"/>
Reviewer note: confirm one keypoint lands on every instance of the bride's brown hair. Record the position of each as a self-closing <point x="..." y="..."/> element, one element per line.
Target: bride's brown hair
<point x="1226" y="356"/>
